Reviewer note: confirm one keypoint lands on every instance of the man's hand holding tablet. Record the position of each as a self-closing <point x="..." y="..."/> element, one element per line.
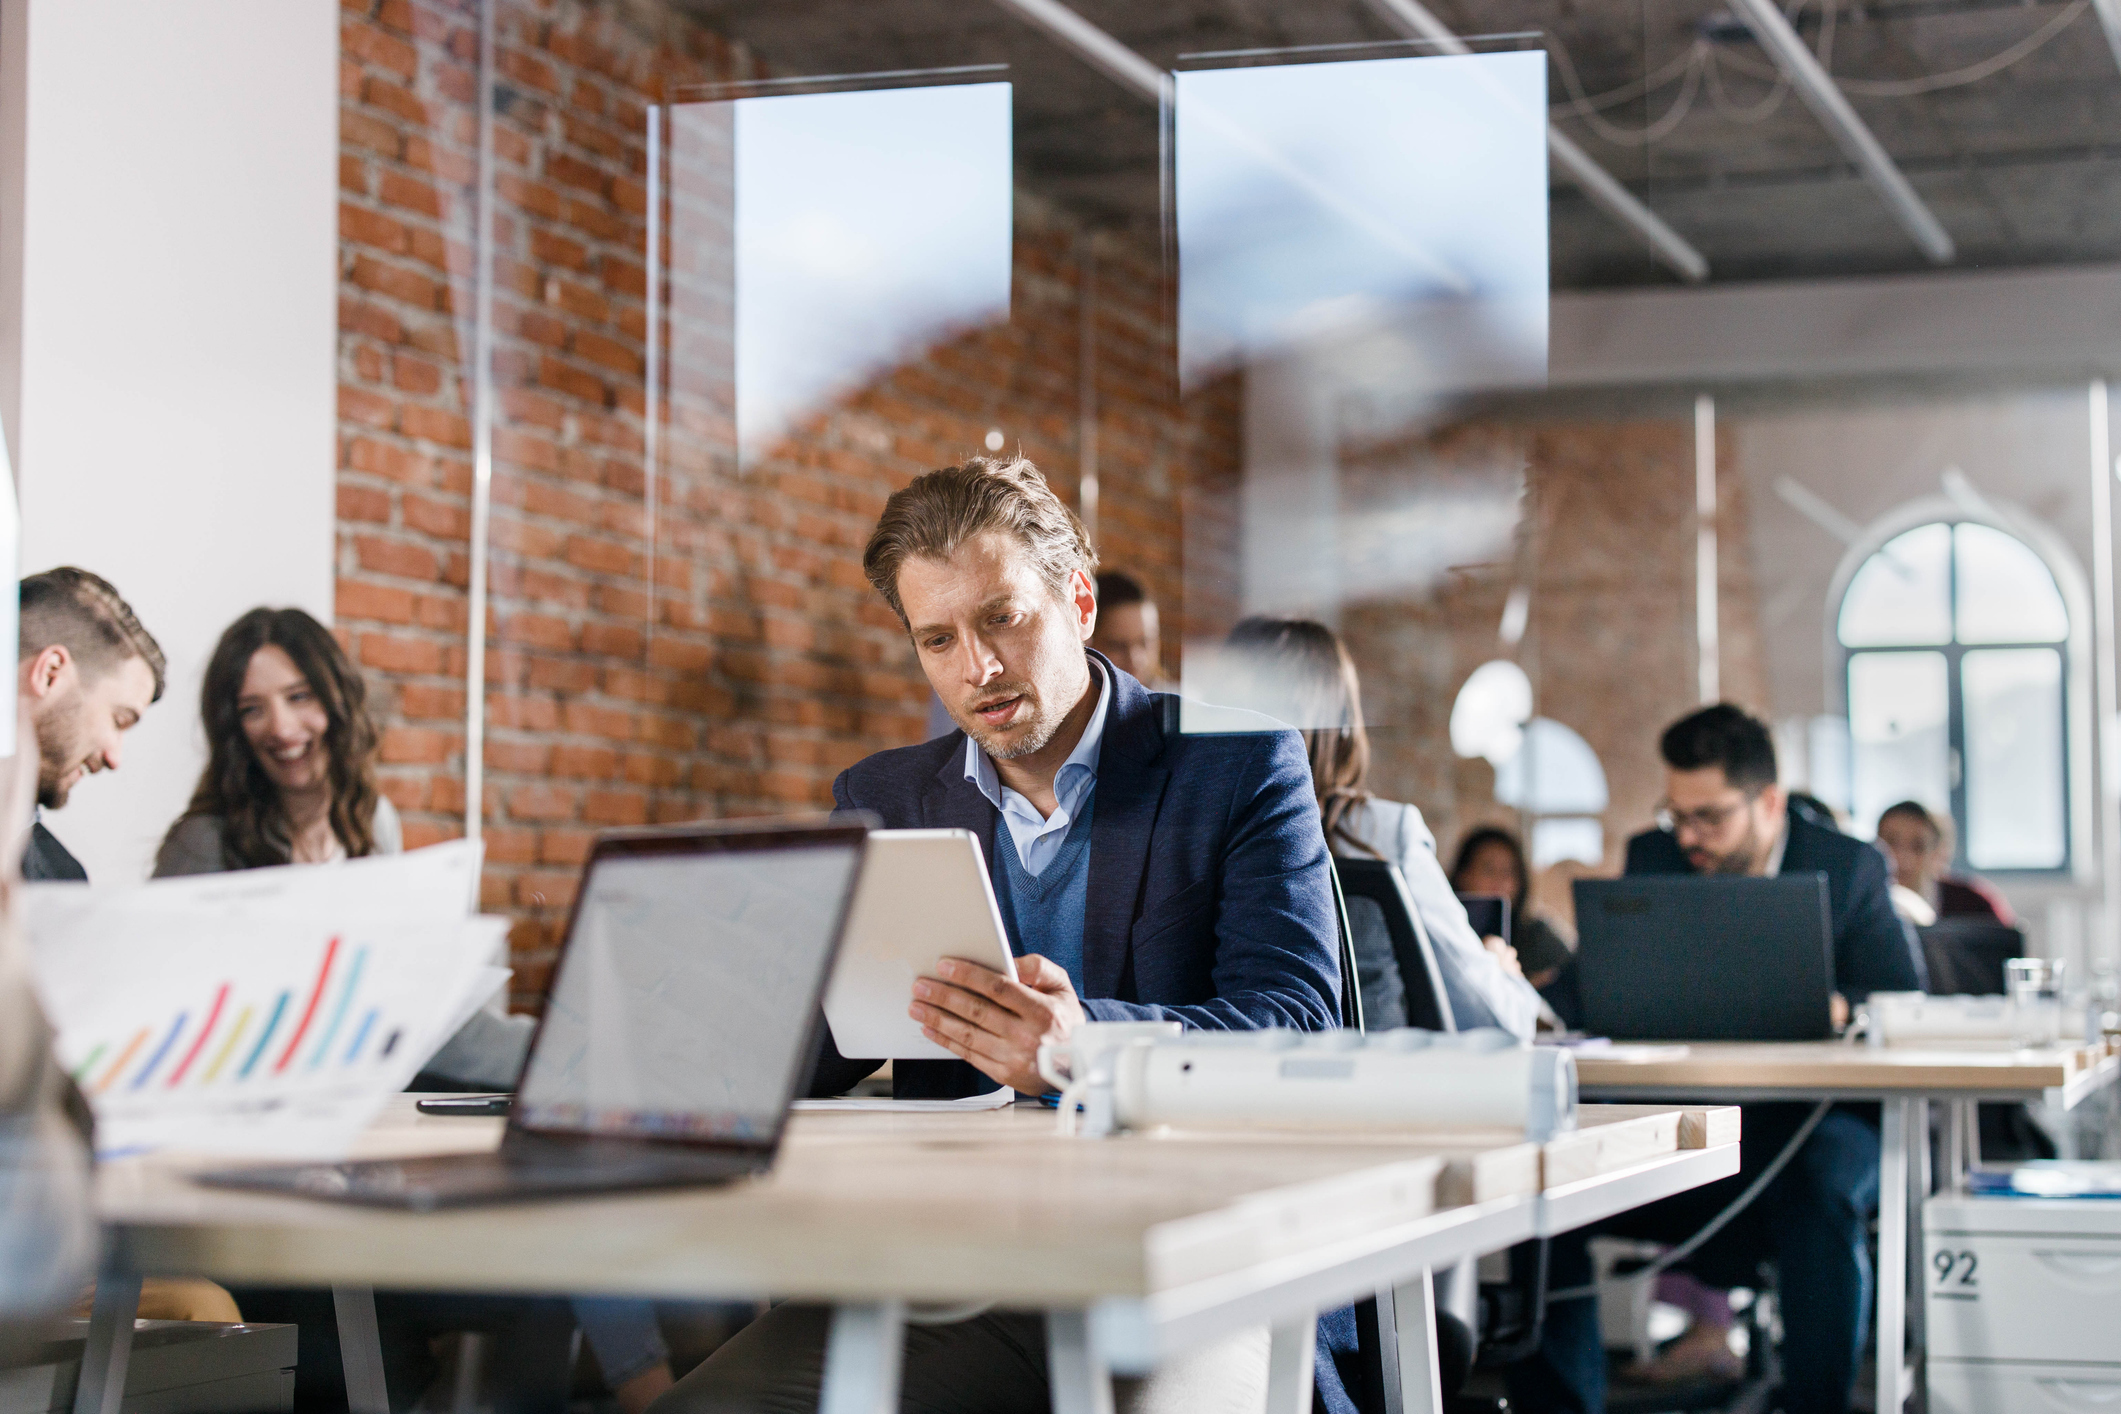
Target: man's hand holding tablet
<point x="997" y="1023"/>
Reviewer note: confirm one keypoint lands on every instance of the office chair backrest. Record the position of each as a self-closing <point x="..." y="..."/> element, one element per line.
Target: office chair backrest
<point x="1966" y="955"/>
<point x="1381" y="908"/>
<point x="1353" y="984"/>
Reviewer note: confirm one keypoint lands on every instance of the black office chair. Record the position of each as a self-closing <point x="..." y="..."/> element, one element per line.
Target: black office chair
<point x="1384" y="926"/>
<point x="1354" y="983"/>
<point x="1966" y="955"/>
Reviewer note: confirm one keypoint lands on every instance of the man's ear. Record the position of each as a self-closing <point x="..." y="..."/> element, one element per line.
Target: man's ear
<point x="1774" y="799"/>
<point x="42" y="671"/>
<point x="1082" y="596"/>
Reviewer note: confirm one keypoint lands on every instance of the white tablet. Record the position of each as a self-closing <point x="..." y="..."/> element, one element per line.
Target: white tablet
<point x="923" y="895"/>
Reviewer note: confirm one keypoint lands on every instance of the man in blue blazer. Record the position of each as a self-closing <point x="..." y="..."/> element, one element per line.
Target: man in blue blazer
<point x="1143" y="875"/>
<point x="1725" y="813"/>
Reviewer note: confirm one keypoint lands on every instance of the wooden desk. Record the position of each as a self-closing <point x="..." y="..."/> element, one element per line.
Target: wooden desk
<point x="1136" y="1247"/>
<point x="1903" y="1079"/>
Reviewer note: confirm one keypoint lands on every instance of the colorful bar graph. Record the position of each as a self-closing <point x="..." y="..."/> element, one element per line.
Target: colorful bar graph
<point x="124" y="1059"/>
<point x="338" y="1013"/>
<point x="228" y="1047"/>
<point x="147" y="1071"/>
<point x="272" y="1024"/>
<point x="309" y="1008"/>
<point x="360" y="1035"/>
<point x="90" y="1064"/>
<point x="213" y="1017"/>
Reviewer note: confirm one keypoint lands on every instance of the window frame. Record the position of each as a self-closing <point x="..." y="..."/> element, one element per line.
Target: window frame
<point x="1954" y="652"/>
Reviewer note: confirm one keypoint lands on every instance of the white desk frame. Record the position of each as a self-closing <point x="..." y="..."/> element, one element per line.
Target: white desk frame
<point x="1903" y="1168"/>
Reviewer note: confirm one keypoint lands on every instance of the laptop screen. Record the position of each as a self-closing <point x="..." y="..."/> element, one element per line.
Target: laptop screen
<point x="683" y="1004"/>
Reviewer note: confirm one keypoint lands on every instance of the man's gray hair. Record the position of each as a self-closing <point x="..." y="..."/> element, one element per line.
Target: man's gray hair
<point x="943" y="509"/>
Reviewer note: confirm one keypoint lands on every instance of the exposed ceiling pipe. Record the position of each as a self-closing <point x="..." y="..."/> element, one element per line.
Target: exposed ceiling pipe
<point x="1413" y="19"/>
<point x="1826" y="100"/>
<point x="2110" y="21"/>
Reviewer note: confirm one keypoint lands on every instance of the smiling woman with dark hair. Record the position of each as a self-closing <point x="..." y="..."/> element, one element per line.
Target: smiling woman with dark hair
<point x="290" y="770"/>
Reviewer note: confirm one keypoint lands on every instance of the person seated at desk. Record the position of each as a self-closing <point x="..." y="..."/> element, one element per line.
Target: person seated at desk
<point x="86" y="672"/>
<point x="1724" y="813"/>
<point x="290" y="778"/>
<point x="1143" y="875"/>
<point x="1920" y="847"/>
<point x="1491" y="861"/>
<point x="1129" y="630"/>
<point x="1482" y="982"/>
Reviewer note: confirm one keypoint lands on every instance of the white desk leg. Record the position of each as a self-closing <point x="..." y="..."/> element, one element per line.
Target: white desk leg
<point x="862" y="1358"/>
<point x="1420" y="1376"/>
<point x="1892" y="1258"/>
<point x="1292" y="1357"/>
<point x="110" y="1345"/>
<point x="1916" y="1287"/>
<point x="360" y="1350"/>
<point x="1076" y="1373"/>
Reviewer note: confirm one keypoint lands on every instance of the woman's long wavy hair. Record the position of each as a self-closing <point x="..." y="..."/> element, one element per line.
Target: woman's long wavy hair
<point x="1318" y="676"/>
<point x="234" y="787"/>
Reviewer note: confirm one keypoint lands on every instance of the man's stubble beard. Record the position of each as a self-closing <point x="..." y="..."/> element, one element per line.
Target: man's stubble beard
<point x="1743" y="860"/>
<point x="1040" y="731"/>
<point x="58" y="752"/>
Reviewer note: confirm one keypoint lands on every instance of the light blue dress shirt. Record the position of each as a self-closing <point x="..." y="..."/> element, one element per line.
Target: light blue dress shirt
<point x="1039" y="839"/>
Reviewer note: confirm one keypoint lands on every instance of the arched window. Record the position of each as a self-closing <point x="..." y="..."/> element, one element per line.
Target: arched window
<point x="1954" y="637"/>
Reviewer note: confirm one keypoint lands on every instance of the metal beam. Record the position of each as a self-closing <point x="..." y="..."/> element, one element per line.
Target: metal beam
<point x="1819" y="92"/>
<point x="1414" y="20"/>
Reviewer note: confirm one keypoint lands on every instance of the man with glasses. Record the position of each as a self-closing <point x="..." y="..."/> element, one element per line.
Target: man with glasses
<point x="1725" y="813"/>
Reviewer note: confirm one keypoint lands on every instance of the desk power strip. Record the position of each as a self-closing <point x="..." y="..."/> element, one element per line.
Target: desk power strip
<point x="1129" y="1076"/>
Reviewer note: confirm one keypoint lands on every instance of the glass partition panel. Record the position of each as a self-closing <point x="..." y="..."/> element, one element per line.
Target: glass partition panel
<point x="871" y="227"/>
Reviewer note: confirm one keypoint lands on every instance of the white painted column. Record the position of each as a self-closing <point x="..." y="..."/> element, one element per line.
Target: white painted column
<point x="168" y="331"/>
<point x="2103" y="946"/>
<point x="1708" y="635"/>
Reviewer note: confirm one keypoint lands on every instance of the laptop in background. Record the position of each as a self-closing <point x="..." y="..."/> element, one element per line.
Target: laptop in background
<point x="1706" y="957"/>
<point x="677" y="1029"/>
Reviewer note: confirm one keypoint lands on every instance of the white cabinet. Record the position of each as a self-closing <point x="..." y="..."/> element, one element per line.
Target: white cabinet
<point x="2023" y="1299"/>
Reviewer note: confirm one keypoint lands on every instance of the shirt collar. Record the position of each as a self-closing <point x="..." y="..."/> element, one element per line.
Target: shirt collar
<point x="979" y="767"/>
<point x="1782" y="843"/>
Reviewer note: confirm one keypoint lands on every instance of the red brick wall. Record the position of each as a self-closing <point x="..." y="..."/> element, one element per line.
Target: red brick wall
<point x="726" y="658"/>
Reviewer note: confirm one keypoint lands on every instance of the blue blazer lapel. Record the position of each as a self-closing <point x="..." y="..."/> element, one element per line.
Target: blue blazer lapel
<point x="1130" y="789"/>
<point x="953" y="803"/>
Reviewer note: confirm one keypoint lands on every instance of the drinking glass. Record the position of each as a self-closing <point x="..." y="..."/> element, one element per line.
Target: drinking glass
<point x="2035" y="987"/>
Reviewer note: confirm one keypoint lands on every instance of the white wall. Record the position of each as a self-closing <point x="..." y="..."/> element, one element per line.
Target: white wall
<point x="2062" y="322"/>
<point x="168" y="253"/>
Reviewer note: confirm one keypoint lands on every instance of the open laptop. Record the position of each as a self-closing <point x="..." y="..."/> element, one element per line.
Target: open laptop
<point x="678" y="1027"/>
<point x="1706" y="957"/>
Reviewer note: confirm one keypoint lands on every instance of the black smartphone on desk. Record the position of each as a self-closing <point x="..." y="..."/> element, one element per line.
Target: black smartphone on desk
<point x="461" y="1106"/>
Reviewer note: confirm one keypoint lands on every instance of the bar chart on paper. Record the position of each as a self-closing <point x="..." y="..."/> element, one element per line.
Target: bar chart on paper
<point x="253" y="1035"/>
